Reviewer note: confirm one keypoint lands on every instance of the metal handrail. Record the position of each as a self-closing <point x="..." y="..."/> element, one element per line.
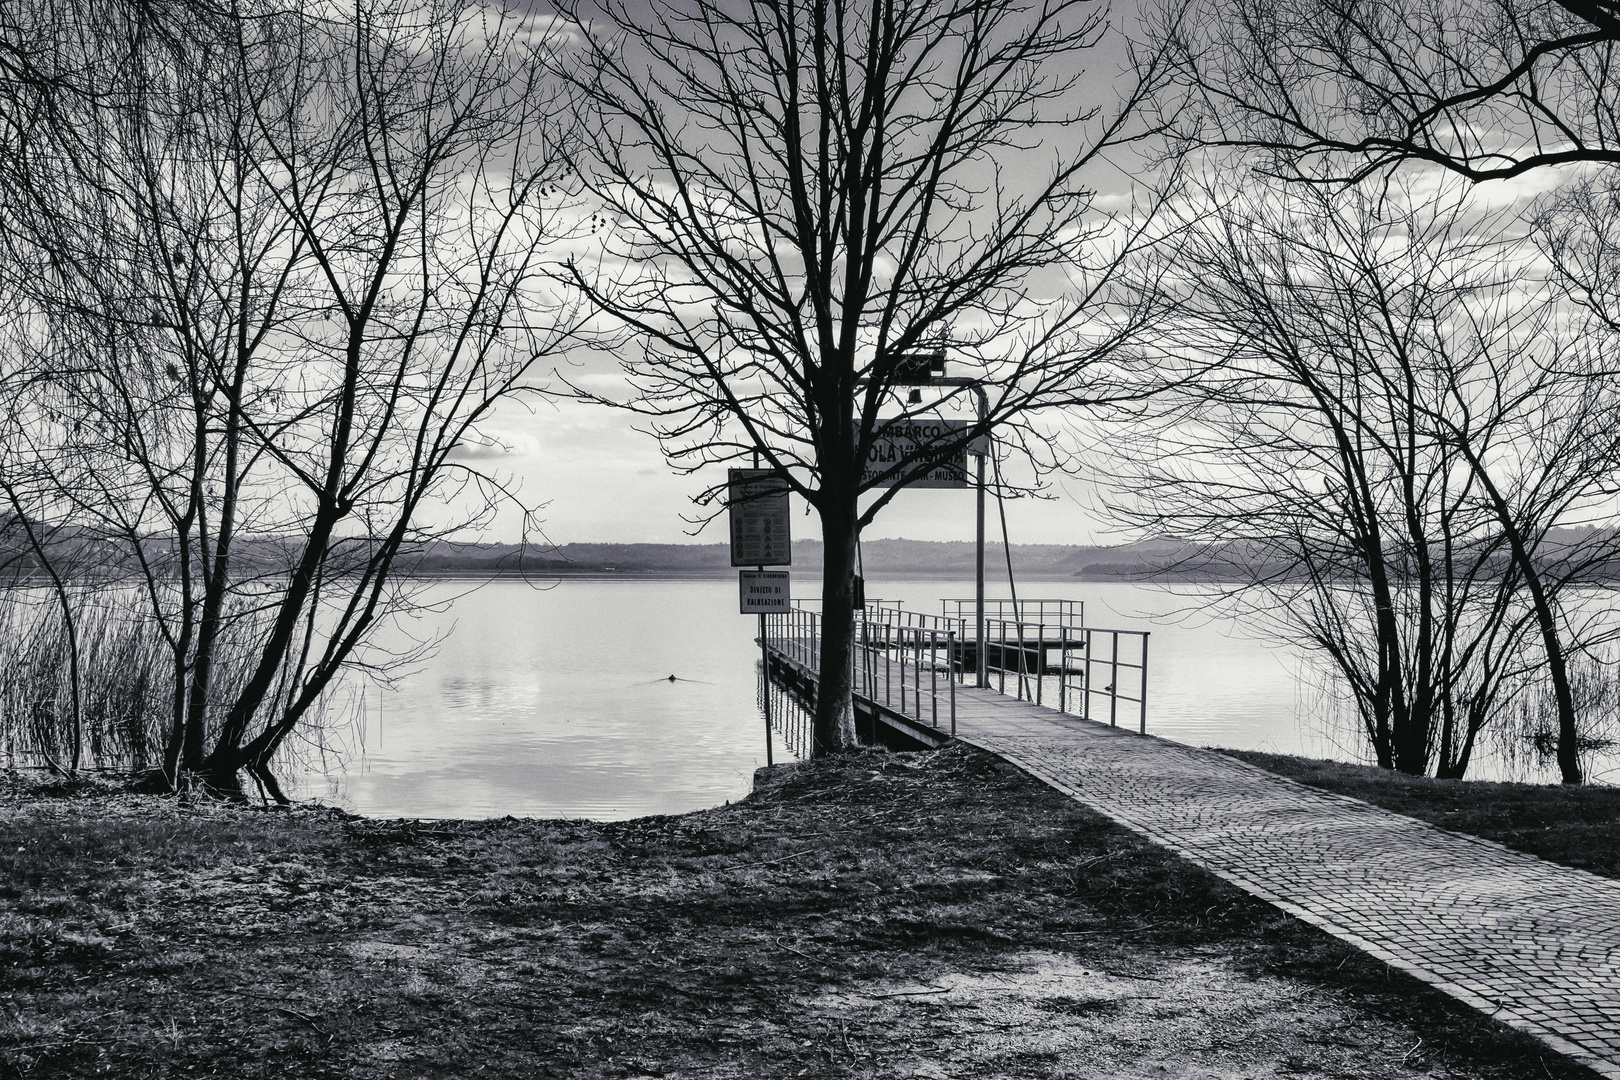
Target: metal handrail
<point x="897" y="661"/>
<point x="1044" y="610"/>
<point x="1097" y="649"/>
<point x="895" y="665"/>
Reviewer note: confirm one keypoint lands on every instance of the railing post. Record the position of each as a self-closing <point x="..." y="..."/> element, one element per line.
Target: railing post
<point x="1023" y="663"/>
<point x="1142" y="704"/>
<point x="1040" y="657"/>
<point x="1085" y="678"/>
<point x="1001" y="658"/>
<point x="1063" y="667"/>
<point x="933" y="675"/>
<point x="1113" y="683"/>
<point x="901" y="631"/>
<point x="888" y="669"/>
<point x="951" y="644"/>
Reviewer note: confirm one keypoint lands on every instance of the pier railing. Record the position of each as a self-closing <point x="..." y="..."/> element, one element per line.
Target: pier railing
<point x="1045" y="612"/>
<point x="1091" y="670"/>
<point x="890" y="655"/>
<point x="907" y="669"/>
<point x="909" y="662"/>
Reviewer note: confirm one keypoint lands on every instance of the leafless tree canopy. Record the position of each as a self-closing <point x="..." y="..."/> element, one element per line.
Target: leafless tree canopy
<point x="268" y="267"/>
<point x="797" y="197"/>
<point x="1403" y="412"/>
<point x="1342" y="89"/>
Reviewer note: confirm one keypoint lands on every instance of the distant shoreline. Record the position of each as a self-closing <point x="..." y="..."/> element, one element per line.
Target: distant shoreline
<point x="730" y="575"/>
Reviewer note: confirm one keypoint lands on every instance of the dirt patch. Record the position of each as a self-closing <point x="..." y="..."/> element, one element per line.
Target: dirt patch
<point x="876" y="915"/>
<point x="1189" y="1018"/>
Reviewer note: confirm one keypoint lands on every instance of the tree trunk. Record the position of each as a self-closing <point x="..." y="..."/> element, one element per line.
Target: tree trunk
<point x="1569" y="763"/>
<point x="835" y="709"/>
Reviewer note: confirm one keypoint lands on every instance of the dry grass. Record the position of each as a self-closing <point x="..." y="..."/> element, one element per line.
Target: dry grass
<point x="875" y="915"/>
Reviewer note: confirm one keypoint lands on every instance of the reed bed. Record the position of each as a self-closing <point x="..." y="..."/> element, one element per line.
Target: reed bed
<point x="126" y="680"/>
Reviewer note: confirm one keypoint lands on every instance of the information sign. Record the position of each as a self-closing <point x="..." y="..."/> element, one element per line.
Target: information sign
<point x="895" y="439"/>
<point x="764" y="592"/>
<point x="758" y="502"/>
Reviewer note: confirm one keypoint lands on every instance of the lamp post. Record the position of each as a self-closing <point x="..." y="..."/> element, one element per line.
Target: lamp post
<point x="928" y="369"/>
<point x="982" y="400"/>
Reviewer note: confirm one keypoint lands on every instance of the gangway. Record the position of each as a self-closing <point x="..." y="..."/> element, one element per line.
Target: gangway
<point x="912" y="668"/>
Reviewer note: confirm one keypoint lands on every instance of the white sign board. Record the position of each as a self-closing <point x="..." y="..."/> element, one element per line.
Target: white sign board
<point x="898" y="438"/>
<point x="758" y="502"/>
<point x="764" y="592"/>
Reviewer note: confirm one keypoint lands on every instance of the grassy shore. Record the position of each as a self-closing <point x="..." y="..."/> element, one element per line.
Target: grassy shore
<point x="876" y="915"/>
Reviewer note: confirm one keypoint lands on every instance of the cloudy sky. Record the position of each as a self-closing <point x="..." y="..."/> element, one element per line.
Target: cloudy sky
<point x="601" y="480"/>
<point x="604" y="481"/>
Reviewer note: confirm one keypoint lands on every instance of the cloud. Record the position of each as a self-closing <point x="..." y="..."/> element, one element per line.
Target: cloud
<point x="497" y="445"/>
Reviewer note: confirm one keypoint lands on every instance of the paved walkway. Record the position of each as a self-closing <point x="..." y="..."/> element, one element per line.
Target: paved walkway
<point x="1533" y="944"/>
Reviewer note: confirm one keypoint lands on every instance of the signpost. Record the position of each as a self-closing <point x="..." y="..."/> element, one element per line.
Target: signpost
<point x="910" y="436"/>
<point x="763" y="592"/>
<point x="758" y="503"/>
<point x="760" y="537"/>
<point x="928" y="370"/>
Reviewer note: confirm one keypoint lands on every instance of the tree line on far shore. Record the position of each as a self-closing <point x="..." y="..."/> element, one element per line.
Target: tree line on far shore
<point x="1147" y="562"/>
<point x="1252" y="270"/>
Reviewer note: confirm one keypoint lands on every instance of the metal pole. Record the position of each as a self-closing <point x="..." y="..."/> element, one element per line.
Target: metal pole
<point x="1001" y="658"/>
<point x="1063" y="664"/>
<point x="1142" y="728"/>
<point x="1085" y="677"/>
<point x="1040" y="657"/>
<point x="933" y="673"/>
<point x="952" y="645"/>
<point x="1113" y="684"/>
<point x="981" y="646"/>
<point x="765" y="658"/>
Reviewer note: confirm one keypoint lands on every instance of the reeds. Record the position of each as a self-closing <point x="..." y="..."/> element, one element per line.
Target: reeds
<point x="1520" y="740"/>
<point x="126" y="678"/>
<point x="1525" y="739"/>
<point x="126" y="681"/>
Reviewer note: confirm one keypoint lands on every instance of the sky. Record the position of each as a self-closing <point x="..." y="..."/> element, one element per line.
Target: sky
<point x="598" y="479"/>
<point x="604" y="482"/>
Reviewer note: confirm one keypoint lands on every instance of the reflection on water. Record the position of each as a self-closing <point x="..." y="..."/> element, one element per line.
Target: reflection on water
<point x="557" y="702"/>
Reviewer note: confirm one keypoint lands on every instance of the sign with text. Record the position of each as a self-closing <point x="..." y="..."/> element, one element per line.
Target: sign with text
<point x="764" y="592"/>
<point x="898" y="438"/>
<point x="758" y="502"/>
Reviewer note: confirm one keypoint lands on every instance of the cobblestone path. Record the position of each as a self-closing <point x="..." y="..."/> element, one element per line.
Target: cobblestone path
<point x="1533" y="944"/>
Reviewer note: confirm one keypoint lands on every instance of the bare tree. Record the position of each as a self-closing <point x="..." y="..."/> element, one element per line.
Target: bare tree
<point x="295" y="266"/>
<point x="1335" y="89"/>
<point x="1387" y="448"/>
<point x="1336" y="92"/>
<point x="796" y="199"/>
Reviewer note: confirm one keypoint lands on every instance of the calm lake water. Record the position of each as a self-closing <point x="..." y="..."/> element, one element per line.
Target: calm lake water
<point x="556" y="701"/>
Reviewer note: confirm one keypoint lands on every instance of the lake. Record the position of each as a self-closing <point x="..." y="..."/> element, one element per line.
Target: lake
<point x="555" y="701"/>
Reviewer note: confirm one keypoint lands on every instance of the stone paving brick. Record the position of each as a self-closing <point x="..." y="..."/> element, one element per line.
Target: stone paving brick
<point x="1533" y="944"/>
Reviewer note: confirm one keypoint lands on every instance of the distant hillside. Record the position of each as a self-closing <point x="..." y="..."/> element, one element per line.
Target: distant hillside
<point x="1155" y="559"/>
<point x="881" y="558"/>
